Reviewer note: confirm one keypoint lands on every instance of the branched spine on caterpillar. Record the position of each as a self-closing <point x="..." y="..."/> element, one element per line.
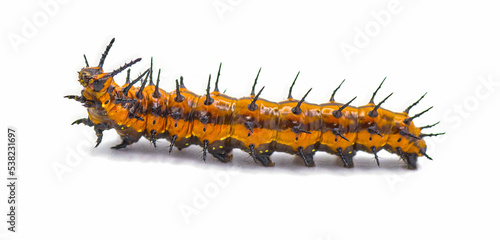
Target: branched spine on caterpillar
<point x="218" y="123"/>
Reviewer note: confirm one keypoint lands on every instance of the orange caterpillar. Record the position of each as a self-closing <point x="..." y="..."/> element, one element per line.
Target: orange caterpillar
<point x="218" y="123"/>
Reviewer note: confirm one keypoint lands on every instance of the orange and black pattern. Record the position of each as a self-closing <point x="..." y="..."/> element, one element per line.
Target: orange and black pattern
<point x="218" y="123"/>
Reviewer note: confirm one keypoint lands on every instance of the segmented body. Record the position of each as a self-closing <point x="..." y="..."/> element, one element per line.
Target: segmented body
<point x="218" y="123"/>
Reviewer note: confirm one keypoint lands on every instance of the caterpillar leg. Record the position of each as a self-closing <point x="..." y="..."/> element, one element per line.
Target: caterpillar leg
<point x="260" y="156"/>
<point x="99" y="129"/>
<point x="265" y="160"/>
<point x="307" y="157"/>
<point x="84" y="121"/>
<point x="346" y="158"/>
<point x="128" y="137"/>
<point x="374" y="151"/>
<point x="98" y="133"/>
<point x="125" y="142"/>
<point x="76" y="98"/>
<point x="409" y="158"/>
<point x="223" y="156"/>
<point x="221" y="150"/>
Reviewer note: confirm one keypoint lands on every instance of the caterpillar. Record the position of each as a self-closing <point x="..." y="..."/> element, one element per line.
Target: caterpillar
<point x="219" y="123"/>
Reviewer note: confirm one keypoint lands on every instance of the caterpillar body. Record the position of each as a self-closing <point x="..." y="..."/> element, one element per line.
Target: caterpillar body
<point x="218" y="123"/>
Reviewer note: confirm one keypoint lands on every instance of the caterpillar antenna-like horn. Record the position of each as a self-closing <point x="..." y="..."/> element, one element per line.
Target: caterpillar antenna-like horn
<point x="252" y="106"/>
<point x="429" y="126"/>
<point x="252" y="93"/>
<point x="375" y="93"/>
<point x="425" y="154"/>
<point x="373" y="113"/>
<point x="431" y="134"/>
<point x="128" y="87"/>
<point x="217" y="80"/>
<point x="408" y="120"/>
<point x="414" y="104"/>
<point x="178" y="95"/>
<point x="209" y="100"/>
<point x="151" y="75"/>
<point x="291" y="87"/>
<point x="156" y="93"/>
<point x="86" y="62"/>
<point x="127" y="80"/>
<point x="332" y="98"/>
<point x="182" y="82"/>
<point x="296" y="110"/>
<point x="120" y="69"/>
<point x="338" y="113"/>
<point x="139" y="95"/>
<point x="105" y="54"/>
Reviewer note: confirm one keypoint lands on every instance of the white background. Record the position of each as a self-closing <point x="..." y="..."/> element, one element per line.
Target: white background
<point x="69" y="190"/>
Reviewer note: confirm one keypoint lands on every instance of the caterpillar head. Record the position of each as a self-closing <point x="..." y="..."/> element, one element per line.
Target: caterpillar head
<point x="95" y="78"/>
<point x="89" y="76"/>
